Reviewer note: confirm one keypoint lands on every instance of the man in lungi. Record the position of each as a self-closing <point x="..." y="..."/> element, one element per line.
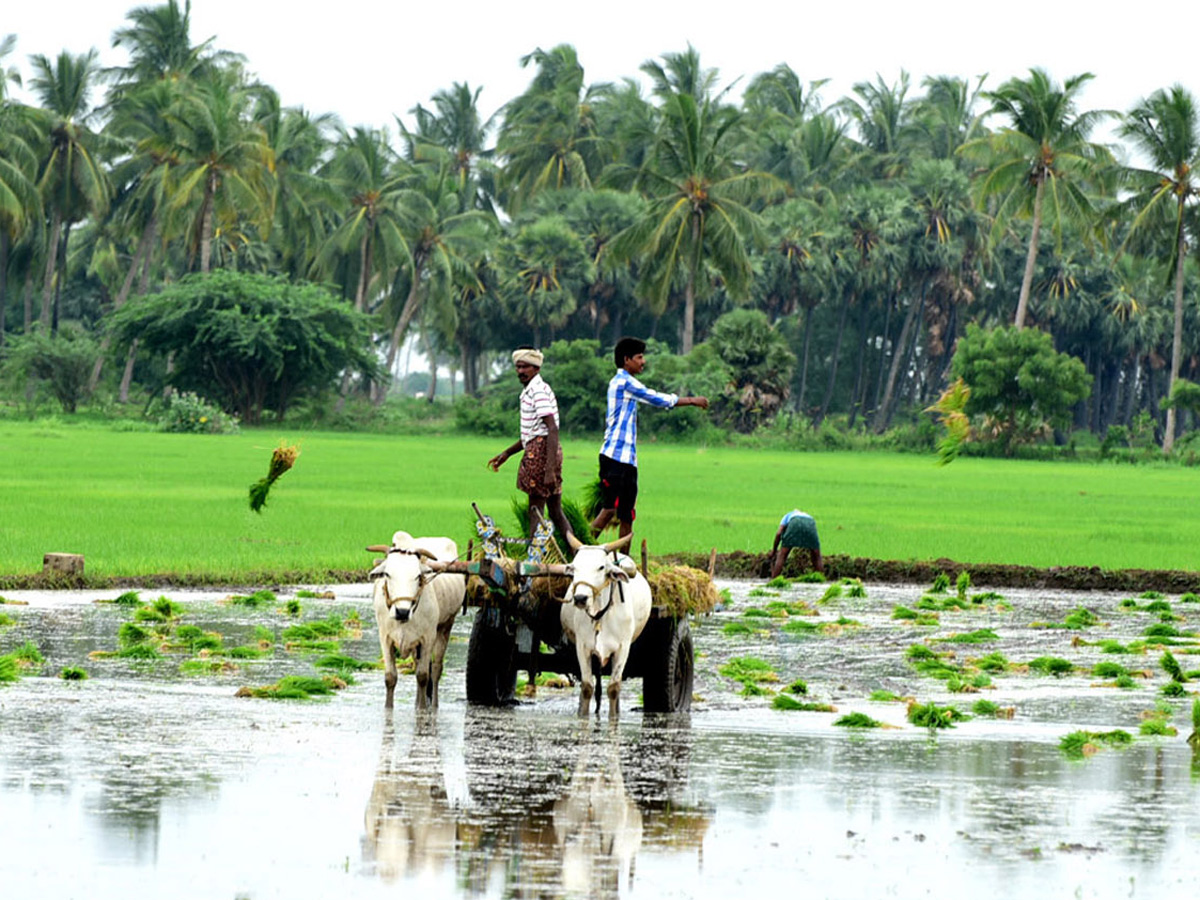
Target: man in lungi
<point x="796" y="529"/>
<point x="540" y="473"/>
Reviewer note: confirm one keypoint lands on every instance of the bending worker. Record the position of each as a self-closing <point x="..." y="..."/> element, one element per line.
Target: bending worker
<point x="796" y="529"/>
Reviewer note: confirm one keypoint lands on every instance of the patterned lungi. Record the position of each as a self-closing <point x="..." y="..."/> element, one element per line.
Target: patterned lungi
<point x="531" y="474"/>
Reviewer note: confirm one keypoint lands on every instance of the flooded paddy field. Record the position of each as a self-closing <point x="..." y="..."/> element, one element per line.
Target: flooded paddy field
<point x="152" y="778"/>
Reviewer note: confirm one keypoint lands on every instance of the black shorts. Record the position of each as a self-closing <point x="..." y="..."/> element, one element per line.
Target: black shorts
<point x="618" y="487"/>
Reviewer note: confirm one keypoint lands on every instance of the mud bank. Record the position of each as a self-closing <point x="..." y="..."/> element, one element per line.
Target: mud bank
<point x="738" y="564"/>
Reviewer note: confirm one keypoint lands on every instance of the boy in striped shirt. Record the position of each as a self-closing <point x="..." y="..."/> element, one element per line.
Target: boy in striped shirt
<point x="540" y="474"/>
<point x="618" y="453"/>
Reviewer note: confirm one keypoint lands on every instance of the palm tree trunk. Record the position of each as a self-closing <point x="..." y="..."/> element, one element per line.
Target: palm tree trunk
<point x="1031" y="257"/>
<point x="3" y="281"/>
<point x="364" y="273"/>
<point x="62" y="277"/>
<point x="1177" y="334"/>
<point x="687" y="332"/>
<point x="882" y="415"/>
<point x="856" y="402"/>
<point x="206" y="222"/>
<point x="804" y="357"/>
<point x="27" y="299"/>
<point x="51" y="266"/>
<point x="833" y="366"/>
<point x="406" y="315"/>
<point x="143" y="249"/>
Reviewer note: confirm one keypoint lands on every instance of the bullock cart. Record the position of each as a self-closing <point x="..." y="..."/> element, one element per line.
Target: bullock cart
<point x="517" y="626"/>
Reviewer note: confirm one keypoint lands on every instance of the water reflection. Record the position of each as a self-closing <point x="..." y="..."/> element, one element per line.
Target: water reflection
<point x="546" y="810"/>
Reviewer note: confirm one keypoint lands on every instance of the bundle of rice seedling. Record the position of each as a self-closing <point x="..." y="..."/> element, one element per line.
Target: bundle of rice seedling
<point x="282" y="459"/>
<point x="683" y="590"/>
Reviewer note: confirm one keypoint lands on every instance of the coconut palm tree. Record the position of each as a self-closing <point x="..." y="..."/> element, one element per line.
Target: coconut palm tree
<point x="1165" y="127"/>
<point x="223" y="158"/>
<point x="73" y="180"/>
<point x="544" y="266"/>
<point x="549" y="138"/>
<point x="699" y="212"/>
<point x="1043" y="153"/>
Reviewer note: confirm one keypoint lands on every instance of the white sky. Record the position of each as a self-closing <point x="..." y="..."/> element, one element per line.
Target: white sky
<point x="366" y="60"/>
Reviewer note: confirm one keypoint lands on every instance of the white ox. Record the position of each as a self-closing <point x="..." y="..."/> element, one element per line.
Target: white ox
<point x="605" y="609"/>
<point x="415" y="608"/>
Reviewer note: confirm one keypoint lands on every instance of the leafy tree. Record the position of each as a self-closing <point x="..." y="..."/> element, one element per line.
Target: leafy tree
<point x="1018" y="382"/>
<point x="1166" y="128"/>
<point x="544" y="267"/>
<point x="250" y="342"/>
<point x="579" y="372"/>
<point x="760" y="366"/>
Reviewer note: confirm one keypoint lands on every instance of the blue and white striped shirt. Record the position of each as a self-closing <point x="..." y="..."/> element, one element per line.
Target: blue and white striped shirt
<point x="620" y="429"/>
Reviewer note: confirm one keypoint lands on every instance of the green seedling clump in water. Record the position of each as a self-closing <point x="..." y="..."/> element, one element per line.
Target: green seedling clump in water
<point x="343" y="663"/>
<point x="1079" y="744"/>
<point x="1109" y="670"/>
<point x="1171" y="666"/>
<point x="1174" y="689"/>
<point x="941" y="583"/>
<point x="295" y="687"/>
<point x="762" y="592"/>
<point x="799" y="686"/>
<point x="918" y="652"/>
<point x="791" y="704"/>
<point x="28" y="655"/>
<point x="979" y="636"/>
<point x="129" y="598"/>
<point x="731" y="628"/>
<point x="6" y="621"/>
<point x="858" y="720"/>
<point x="1128" y="603"/>
<point x="903" y="613"/>
<point x="316" y="630"/>
<point x="985" y="708"/>
<point x="754" y="612"/>
<point x="1125" y="682"/>
<point x="1157" y="727"/>
<point x="936" y="668"/>
<point x="854" y="587"/>
<point x="1108" y="645"/>
<point x="292" y="607"/>
<point x="130" y="634"/>
<point x="886" y="697"/>
<point x="195" y="639"/>
<point x="1189" y="597"/>
<point x="831" y="593"/>
<point x="1081" y="618"/>
<point x="796" y="626"/>
<point x="812" y="578"/>
<point x="263" y="635"/>
<point x="1051" y="665"/>
<point x="779" y="582"/>
<point x="139" y="651"/>
<point x="258" y="598"/>
<point x="987" y="597"/>
<point x="73" y="673"/>
<point x="930" y="715"/>
<point x="1158" y="606"/>
<point x="751" y="689"/>
<point x="1151" y="595"/>
<point x="246" y="652"/>
<point x="963" y="584"/>
<point x="993" y="662"/>
<point x="8" y="668"/>
<point x="748" y="670"/>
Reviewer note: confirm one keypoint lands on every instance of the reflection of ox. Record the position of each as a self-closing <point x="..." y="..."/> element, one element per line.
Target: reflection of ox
<point x="598" y="827"/>
<point x="411" y="826"/>
<point x="606" y="607"/>
<point x="415" y="609"/>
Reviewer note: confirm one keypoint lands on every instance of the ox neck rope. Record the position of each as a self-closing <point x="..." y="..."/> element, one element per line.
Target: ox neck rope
<point x="608" y="582"/>
<point x="422" y="580"/>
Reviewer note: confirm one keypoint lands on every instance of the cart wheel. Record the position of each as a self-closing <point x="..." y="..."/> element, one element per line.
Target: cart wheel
<point x="669" y="668"/>
<point x="491" y="660"/>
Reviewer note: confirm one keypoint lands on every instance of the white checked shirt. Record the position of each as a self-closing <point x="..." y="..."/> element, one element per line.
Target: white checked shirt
<point x="620" y="429"/>
<point x="537" y="401"/>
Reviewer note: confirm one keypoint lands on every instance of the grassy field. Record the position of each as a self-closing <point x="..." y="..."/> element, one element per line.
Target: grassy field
<point x="147" y="503"/>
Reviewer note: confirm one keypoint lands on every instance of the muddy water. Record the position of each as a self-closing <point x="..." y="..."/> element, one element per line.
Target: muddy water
<point x="143" y="782"/>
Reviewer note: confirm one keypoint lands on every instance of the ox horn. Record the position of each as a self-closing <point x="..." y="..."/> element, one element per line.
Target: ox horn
<point x="573" y="542"/>
<point x="620" y="544"/>
<point x="379" y="548"/>
<point x="424" y="554"/>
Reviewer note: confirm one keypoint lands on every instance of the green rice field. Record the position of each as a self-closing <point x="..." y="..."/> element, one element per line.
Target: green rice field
<point x="146" y="503"/>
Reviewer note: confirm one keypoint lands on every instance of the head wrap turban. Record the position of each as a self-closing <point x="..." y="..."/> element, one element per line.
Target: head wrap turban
<point x="533" y="357"/>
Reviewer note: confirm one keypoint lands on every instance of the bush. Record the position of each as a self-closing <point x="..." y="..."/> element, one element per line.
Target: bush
<point x="189" y="413"/>
<point x="61" y="363"/>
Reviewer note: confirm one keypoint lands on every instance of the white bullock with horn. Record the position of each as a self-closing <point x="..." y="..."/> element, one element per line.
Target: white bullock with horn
<point x="605" y="609"/>
<point x="415" y="608"/>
